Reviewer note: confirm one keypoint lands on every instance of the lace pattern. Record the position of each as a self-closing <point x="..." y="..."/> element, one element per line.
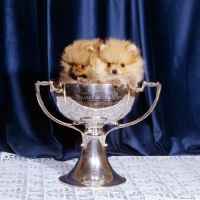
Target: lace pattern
<point x="147" y="178"/>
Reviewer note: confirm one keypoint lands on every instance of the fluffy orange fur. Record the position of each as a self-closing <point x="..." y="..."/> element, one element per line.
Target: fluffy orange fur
<point x="76" y="61"/>
<point x="120" y="63"/>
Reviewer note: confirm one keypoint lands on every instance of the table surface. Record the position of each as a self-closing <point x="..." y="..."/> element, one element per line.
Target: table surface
<point x="148" y="177"/>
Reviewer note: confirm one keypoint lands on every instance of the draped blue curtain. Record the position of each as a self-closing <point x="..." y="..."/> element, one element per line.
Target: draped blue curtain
<point x="33" y="34"/>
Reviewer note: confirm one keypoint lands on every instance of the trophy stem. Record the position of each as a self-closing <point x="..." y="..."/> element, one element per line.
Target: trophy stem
<point x="93" y="168"/>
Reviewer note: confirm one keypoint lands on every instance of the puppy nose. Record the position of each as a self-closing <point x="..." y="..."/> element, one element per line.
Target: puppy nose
<point x="74" y="75"/>
<point x="114" y="71"/>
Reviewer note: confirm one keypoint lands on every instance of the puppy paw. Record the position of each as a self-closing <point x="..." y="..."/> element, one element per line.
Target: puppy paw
<point x="132" y="85"/>
<point x="116" y="82"/>
<point x="81" y="80"/>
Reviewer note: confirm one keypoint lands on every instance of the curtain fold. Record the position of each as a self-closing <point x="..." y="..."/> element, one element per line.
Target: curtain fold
<point x="175" y="26"/>
<point x="32" y="38"/>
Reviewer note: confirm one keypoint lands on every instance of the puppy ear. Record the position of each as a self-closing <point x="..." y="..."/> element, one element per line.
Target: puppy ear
<point x="102" y="47"/>
<point x="132" y="48"/>
<point x="89" y="48"/>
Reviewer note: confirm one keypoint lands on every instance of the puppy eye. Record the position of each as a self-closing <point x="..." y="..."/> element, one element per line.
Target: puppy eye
<point x="109" y="64"/>
<point x="82" y="66"/>
<point x="122" y="65"/>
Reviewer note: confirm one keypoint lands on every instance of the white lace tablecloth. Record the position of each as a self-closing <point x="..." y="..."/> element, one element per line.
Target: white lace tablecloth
<point x="147" y="177"/>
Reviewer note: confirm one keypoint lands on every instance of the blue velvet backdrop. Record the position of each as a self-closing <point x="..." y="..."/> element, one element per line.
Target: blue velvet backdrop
<point x="32" y="38"/>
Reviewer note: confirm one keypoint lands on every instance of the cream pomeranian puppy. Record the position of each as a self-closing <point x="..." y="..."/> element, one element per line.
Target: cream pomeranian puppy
<point x="120" y="63"/>
<point x="76" y="61"/>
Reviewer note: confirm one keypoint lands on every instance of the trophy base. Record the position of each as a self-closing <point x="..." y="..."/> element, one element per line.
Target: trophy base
<point x="69" y="179"/>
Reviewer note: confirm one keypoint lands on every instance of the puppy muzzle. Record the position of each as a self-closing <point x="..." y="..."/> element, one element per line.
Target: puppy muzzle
<point x="74" y="75"/>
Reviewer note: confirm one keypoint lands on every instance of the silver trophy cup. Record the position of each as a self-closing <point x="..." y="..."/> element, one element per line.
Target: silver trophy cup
<point x="93" y="105"/>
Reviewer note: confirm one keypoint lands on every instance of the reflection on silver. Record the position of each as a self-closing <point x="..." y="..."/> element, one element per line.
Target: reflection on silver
<point x="93" y="105"/>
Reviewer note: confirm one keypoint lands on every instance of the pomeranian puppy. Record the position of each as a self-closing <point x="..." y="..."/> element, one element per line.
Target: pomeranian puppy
<point x="76" y="61"/>
<point x="120" y="63"/>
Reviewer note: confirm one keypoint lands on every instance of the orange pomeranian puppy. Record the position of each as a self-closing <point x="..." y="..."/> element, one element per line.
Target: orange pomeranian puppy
<point x="120" y="63"/>
<point x="75" y="61"/>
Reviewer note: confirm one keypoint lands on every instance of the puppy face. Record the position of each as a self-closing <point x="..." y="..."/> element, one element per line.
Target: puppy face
<point x="76" y="59"/>
<point x="122" y="61"/>
<point x="79" y="70"/>
<point x="119" y="55"/>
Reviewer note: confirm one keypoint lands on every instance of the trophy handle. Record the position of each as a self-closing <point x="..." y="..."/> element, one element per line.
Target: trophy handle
<point x="39" y="99"/>
<point x="144" y="84"/>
